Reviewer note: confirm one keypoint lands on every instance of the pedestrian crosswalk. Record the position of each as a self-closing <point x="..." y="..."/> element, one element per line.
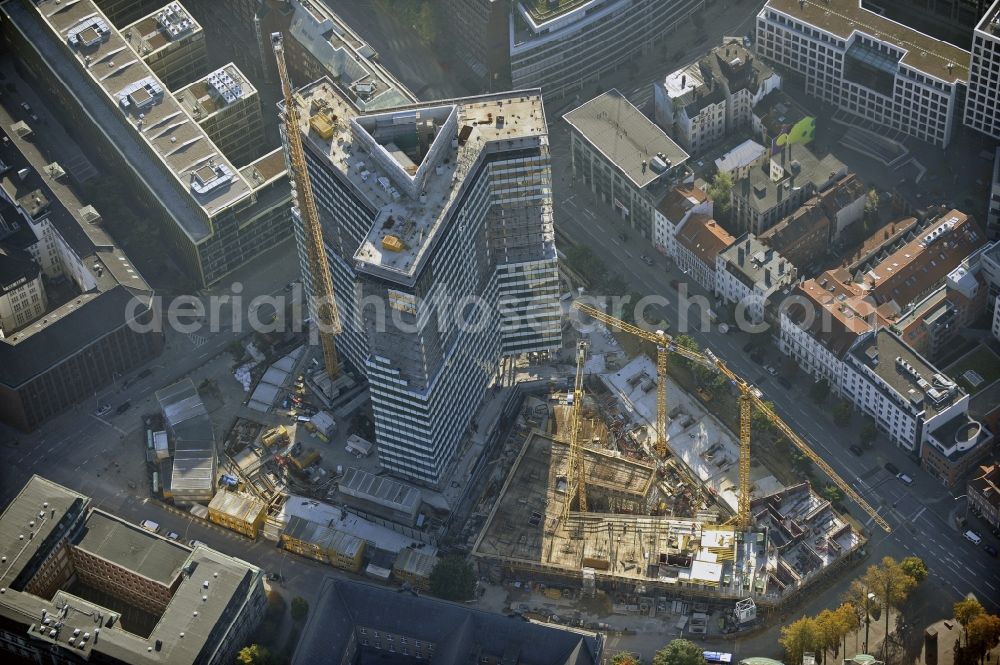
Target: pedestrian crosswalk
<point x="197" y="340"/>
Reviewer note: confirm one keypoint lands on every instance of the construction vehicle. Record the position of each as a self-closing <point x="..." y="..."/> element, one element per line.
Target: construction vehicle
<point x="663" y="344"/>
<point x="748" y="398"/>
<point x="327" y="316"/>
<point x="577" y="482"/>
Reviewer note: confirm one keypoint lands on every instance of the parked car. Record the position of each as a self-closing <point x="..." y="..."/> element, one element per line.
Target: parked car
<point x="173" y="535"/>
<point x="144" y="373"/>
<point x="123" y="407"/>
<point x="150" y="525"/>
<point x="856" y="449"/>
<point x="26" y="107"/>
<point x="785" y="383"/>
<point x="770" y="370"/>
<point x="195" y="543"/>
<point x="989" y="549"/>
<point x="102" y="410"/>
<point x="905" y="479"/>
<point x="645" y="259"/>
<point x="891" y="468"/>
<point x="973" y="537"/>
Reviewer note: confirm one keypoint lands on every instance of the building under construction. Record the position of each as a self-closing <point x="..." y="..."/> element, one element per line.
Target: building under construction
<point x="636" y="536"/>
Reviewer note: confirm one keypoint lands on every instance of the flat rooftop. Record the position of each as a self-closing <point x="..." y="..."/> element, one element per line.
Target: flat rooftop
<point x="214" y="92"/>
<point x="843" y="18"/>
<point x="541" y="11"/>
<point x="626" y="137"/>
<point x="125" y="99"/>
<point x="990" y="23"/>
<point x="170" y="24"/>
<point x="409" y="164"/>
<point x="132" y="547"/>
<point x="916" y="380"/>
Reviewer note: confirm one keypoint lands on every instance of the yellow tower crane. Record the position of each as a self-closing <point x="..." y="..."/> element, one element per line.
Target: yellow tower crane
<point x="663" y="348"/>
<point x="747" y="399"/>
<point x="576" y="482"/>
<point x="327" y="316"/>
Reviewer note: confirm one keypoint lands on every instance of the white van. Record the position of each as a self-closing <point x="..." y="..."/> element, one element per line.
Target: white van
<point x="973" y="537"/>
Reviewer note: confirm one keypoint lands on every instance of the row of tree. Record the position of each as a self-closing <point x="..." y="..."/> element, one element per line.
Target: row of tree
<point x="982" y="631"/>
<point x="676" y="652"/>
<point x="870" y="597"/>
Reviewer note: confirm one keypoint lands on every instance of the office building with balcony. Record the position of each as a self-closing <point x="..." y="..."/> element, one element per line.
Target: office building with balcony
<point x="714" y="97"/>
<point x="624" y="158"/>
<point x="227" y="107"/>
<point x="214" y="219"/>
<point x="427" y="209"/>
<point x="81" y="585"/>
<point x="171" y="42"/>
<point x="562" y="46"/>
<point x="867" y="65"/>
<point x="74" y="297"/>
<point x="982" y="112"/>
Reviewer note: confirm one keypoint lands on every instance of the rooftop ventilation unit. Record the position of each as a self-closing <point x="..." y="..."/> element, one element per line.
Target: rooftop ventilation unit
<point x="88" y="32"/>
<point x="140" y="94"/>
<point x="225" y="86"/>
<point x="209" y="177"/>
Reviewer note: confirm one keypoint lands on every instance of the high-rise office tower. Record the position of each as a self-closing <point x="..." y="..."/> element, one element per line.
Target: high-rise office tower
<point x="438" y="226"/>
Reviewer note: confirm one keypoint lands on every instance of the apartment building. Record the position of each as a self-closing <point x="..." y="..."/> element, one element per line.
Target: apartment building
<point x="354" y="621"/>
<point x="983" y="493"/>
<point x="427" y="207"/>
<point x="981" y="109"/>
<point x="806" y="236"/>
<point x="624" y="158"/>
<point x="226" y="105"/>
<point x="561" y="47"/>
<point x="750" y="275"/>
<point x="699" y="242"/>
<point x="673" y="210"/>
<point x="22" y="294"/>
<point x="778" y="183"/>
<point x="171" y="43"/>
<point x="738" y="161"/>
<point x="214" y="216"/>
<point x="714" y="97"/>
<point x="168" y="602"/>
<point x="57" y="352"/>
<point x="934" y="323"/>
<point x="867" y="65"/>
<point x="906" y="395"/>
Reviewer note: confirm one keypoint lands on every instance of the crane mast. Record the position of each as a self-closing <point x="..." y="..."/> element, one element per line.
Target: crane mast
<point x="577" y="483"/>
<point x="747" y="399"/>
<point x="327" y="316"/>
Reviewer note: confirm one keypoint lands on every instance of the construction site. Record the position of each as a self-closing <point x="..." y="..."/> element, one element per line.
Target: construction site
<point x="631" y="487"/>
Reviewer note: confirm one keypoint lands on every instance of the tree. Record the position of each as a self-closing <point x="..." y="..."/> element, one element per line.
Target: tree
<point x="799" y="637"/>
<point x="892" y="584"/>
<point x="686" y="342"/>
<point x="819" y="391"/>
<point x="253" y="654"/>
<point x="915" y="567"/>
<point x="850" y="621"/>
<point x="582" y="260"/>
<point x="829" y="626"/>
<point x="842" y="413"/>
<point x="453" y="579"/>
<point x="982" y="634"/>
<point x="680" y="652"/>
<point x="720" y="192"/>
<point x="967" y="610"/>
<point x="864" y="603"/>
<point x="300" y="609"/>
<point x="869" y="430"/>
<point x="758" y="421"/>
<point x="832" y="493"/>
<point x="624" y="658"/>
<point x="871" y="210"/>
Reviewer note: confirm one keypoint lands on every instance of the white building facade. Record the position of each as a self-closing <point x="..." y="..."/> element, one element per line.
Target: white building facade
<point x="867" y="65"/>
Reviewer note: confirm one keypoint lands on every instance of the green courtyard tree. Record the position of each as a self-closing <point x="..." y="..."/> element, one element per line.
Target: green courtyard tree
<point x="869" y="430"/>
<point x="720" y="191"/>
<point x="453" y="579"/>
<point x="624" y="658"/>
<point x="800" y="636"/>
<point x="967" y="610"/>
<point x="983" y="634"/>
<point x="679" y="652"/>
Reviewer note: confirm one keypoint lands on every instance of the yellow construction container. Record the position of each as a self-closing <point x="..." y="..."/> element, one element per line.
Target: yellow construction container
<point x="393" y="244"/>
<point x="305" y="460"/>
<point x="277" y="435"/>
<point x="322" y="125"/>
<point x="239" y="512"/>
